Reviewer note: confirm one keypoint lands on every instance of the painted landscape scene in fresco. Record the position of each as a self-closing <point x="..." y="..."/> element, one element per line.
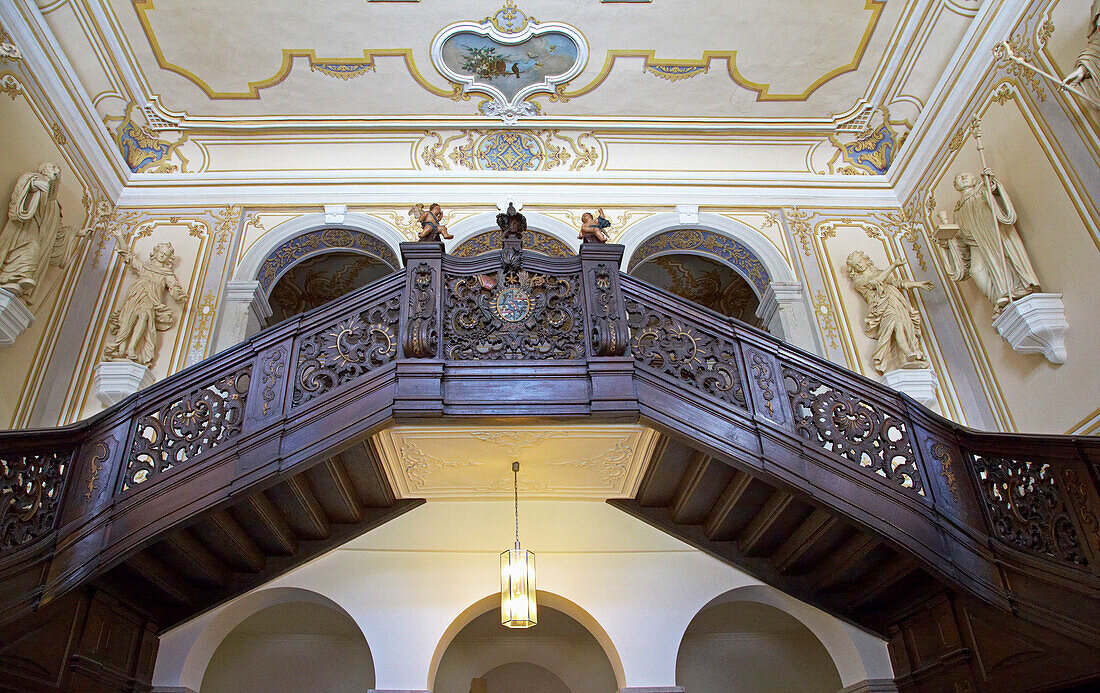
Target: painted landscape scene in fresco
<point x="509" y="67"/>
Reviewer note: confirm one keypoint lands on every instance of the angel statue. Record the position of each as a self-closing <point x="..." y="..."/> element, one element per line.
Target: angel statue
<point x="430" y="222"/>
<point x="143" y="312"/>
<point x="1086" y="73"/>
<point x="34" y="238"/>
<point x="891" y="318"/>
<point x="592" y="228"/>
<point x="983" y="243"/>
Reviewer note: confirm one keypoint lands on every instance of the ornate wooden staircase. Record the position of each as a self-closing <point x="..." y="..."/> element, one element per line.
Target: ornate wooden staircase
<point x="976" y="554"/>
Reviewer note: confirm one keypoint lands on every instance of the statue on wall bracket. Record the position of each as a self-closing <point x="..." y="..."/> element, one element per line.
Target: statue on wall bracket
<point x="510" y="58"/>
<point x="33" y="240"/>
<point x="983" y="244"/>
<point x="895" y="325"/>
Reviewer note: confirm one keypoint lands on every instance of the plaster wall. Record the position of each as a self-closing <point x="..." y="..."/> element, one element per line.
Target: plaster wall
<point x="405" y="583"/>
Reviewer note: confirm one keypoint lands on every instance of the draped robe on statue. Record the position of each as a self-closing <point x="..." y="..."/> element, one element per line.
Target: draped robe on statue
<point x="987" y="248"/>
<point x="33" y="229"/>
<point x="142" y="310"/>
<point x="892" y="321"/>
<point x="1090" y="56"/>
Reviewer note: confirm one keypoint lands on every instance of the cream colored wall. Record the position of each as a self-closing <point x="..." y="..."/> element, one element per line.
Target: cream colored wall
<point x="406" y="582"/>
<point x="29" y="141"/>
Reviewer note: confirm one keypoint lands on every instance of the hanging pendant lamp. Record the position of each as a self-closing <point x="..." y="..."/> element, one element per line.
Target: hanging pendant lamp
<point x="517" y="577"/>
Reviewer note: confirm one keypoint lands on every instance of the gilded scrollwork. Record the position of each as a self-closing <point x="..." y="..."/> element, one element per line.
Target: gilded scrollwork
<point x="1026" y="508"/>
<point x="522" y="316"/>
<point x="421" y="336"/>
<point x="30" y="493"/>
<point x="186" y="427"/>
<point x="941" y="454"/>
<point x="102" y="450"/>
<point x="347" y="350"/>
<point x="672" y="347"/>
<point x="852" y="428"/>
<point x="508" y="150"/>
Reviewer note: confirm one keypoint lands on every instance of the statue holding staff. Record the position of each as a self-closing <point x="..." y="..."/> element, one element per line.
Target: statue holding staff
<point x="983" y="243"/>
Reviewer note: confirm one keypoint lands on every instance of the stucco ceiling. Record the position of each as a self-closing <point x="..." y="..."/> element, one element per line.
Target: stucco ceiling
<point x="237" y="57"/>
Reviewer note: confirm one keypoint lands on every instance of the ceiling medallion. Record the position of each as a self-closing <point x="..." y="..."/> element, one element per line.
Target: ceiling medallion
<point x="509" y="57"/>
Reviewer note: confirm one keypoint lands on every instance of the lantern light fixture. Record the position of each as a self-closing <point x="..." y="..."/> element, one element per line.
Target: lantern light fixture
<point x="517" y="577"/>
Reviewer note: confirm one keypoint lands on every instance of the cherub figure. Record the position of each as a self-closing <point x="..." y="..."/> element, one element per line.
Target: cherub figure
<point x="430" y="222"/>
<point x="134" y="326"/>
<point x="592" y="228"/>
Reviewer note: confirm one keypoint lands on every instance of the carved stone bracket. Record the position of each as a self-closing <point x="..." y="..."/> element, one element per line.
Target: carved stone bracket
<point x="919" y="383"/>
<point x="116" y="380"/>
<point x="1035" y="324"/>
<point x="15" y="318"/>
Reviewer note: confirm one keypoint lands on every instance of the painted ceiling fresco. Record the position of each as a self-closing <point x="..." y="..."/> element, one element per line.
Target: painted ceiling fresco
<point x="320" y="279"/>
<point x="708" y="283"/>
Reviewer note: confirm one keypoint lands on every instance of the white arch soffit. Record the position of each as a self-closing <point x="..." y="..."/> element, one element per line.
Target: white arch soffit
<point x="857" y="655"/>
<point x="232" y="615"/>
<point x="468" y="228"/>
<point x="549" y="599"/>
<point x="768" y="255"/>
<point x="249" y="267"/>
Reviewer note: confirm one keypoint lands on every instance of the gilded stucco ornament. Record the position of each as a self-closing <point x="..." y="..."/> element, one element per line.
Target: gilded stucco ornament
<point x="509" y="57"/>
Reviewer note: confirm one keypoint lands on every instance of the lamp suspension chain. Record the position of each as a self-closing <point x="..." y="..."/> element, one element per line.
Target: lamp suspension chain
<point x="515" y="495"/>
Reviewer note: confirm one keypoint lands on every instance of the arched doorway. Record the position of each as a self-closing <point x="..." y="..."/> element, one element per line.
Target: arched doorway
<point x="321" y="278"/>
<point x="704" y="281"/>
<point x="289" y="647"/>
<point x="734" y="646"/>
<point x="559" y="655"/>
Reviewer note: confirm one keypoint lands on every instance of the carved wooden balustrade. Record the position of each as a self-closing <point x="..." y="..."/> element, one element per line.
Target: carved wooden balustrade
<point x="1010" y="520"/>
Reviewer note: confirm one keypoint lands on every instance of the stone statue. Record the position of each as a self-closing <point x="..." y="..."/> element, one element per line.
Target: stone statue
<point x="430" y="222"/>
<point x="1086" y="75"/>
<point x="891" y="318"/>
<point x="143" y="312"/>
<point x="983" y="243"/>
<point x="34" y="237"/>
<point x="592" y="228"/>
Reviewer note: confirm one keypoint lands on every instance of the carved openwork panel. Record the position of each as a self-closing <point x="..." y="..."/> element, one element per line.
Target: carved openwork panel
<point x="347" y="350"/>
<point x="513" y="315"/>
<point x="1026" y="508"/>
<point x="30" y="493"/>
<point x="852" y="428"/>
<point x="187" y="426"/>
<point x="696" y="358"/>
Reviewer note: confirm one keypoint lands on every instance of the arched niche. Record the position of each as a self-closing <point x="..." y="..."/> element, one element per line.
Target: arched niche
<point x="321" y="278"/>
<point x="196" y="658"/>
<point x="783" y="310"/>
<point x="702" y="280"/>
<point x="533" y="240"/>
<point x="552" y="234"/>
<point x="487" y="610"/>
<point x="246" y="307"/>
<point x="749" y="647"/>
<point x="289" y="647"/>
<point x="853" y="654"/>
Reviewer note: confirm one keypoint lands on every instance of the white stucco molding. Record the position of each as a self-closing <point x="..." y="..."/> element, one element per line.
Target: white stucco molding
<point x="244" y="312"/>
<point x="768" y="255"/>
<point x="15" y="318"/>
<point x="467" y="228"/>
<point x="919" y="383"/>
<point x="1036" y="324"/>
<point x="248" y="268"/>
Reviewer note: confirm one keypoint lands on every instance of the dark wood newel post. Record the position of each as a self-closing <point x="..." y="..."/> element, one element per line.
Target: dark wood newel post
<point x="610" y="369"/>
<point x="419" y="390"/>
